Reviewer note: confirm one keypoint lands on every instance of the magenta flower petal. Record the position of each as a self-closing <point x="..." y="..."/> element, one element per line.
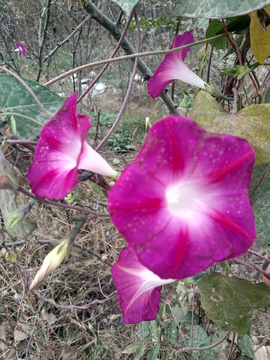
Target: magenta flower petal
<point x="138" y="288"/>
<point x="61" y="151"/>
<point x="21" y="48"/>
<point x="183" y="204"/>
<point x="173" y="67"/>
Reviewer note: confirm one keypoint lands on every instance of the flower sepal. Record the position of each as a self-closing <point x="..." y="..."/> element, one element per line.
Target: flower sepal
<point x="216" y="93"/>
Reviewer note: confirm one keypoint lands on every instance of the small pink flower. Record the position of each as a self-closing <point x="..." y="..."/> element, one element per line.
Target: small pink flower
<point x="173" y="67"/>
<point x="183" y="203"/>
<point x="21" y="48"/>
<point x="61" y="151"/>
<point x="138" y="288"/>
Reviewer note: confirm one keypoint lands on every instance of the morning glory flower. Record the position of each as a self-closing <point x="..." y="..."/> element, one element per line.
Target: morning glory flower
<point x="21" y="48"/>
<point x="183" y="203"/>
<point x="61" y="151"/>
<point x="138" y="288"/>
<point x="173" y="67"/>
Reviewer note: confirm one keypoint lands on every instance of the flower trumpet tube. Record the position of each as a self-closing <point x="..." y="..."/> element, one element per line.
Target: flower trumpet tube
<point x="173" y="67"/>
<point x="183" y="203"/>
<point x="138" y="288"/>
<point x="61" y="151"/>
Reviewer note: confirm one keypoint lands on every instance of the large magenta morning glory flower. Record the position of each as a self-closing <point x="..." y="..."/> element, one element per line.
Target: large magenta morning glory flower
<point x="61" y="151"/>
<point x="138" y="288"/>
<point x="183" y="203"/>
<point x="173" y="67"/>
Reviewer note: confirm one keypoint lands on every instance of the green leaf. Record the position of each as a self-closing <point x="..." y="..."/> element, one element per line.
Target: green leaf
<point x="251" y="123"/>
<point x="153" y="353"/>
<point x="261" y="203"/>
<point x="200" y="339"/>
<point x="127" y="5"/>
<point x="143" y="330"/>
<point x="153" y="329"/>
<point x="267" y="97"/>
<point x="7" y="206"/>
<point x="229" y="302"/>
<point x="16" y="216"/>
<point x="243" y="357"/>
<point x="226" y="267"/>
<point x="11" y="257"/>
<point x="15" y="98"/>
<point x="96" y="189"/>
<point x="245" y="345"/>
<point x="9" y="177"/>
<point x="214" y="27"/>
<point x="184" y="319"/>
<point x="139" y="352"/>
<point x="238" y="23"/>
<point x="171" y="333"/>
<point x="1" y="8"/>
<point x="135" y="348"/>
<point x="215" y="9"/>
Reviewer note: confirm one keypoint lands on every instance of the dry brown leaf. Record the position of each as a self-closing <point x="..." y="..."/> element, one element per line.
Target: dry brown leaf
<point x="20" y="335"/>
<point x="49" y="317"/>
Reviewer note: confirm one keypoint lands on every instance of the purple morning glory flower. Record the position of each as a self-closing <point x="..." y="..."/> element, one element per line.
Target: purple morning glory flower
<point x="183" y="203"/>
<point x="173" y="67"/>
<point x="138" y="288"/>
<point x="21" y="48"/>
<point x="61" y="151"/>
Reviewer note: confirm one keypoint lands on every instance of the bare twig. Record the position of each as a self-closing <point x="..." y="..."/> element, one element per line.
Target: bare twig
<point x="52" y="52"/>
<point x="85" y="307"/>
<point x="129" y="86"/>
<point x="112" y="56"/>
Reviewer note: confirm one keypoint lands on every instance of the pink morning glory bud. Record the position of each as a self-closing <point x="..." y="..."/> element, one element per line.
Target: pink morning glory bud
<point x="61" y="151"/>
<point x="21" y="48"/>
<point x="183" y="203"/>
<point x="138" y="288"/>
<point x="50" y="263"/>
<point x="173" y="67"/>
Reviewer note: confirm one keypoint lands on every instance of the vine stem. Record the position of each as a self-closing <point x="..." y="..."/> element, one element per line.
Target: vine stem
<point x="260" y="256"/>
<point x="129" y="86"/>
<point x="252" y="266"/>
<point x="28" y="89"/>
<point x="127" y="57"/>
<point x="49" y="202"/>
<point x="205" y="347"/>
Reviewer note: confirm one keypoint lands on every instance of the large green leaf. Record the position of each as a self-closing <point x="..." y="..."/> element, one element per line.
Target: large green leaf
<point x="251" y="123"/>
<point x="229" y="302"/>
<point x="127" y="5"/>
<point x="15" y="98"/>
<point x="216" y="9"/>
<point x="261" y="203"/>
